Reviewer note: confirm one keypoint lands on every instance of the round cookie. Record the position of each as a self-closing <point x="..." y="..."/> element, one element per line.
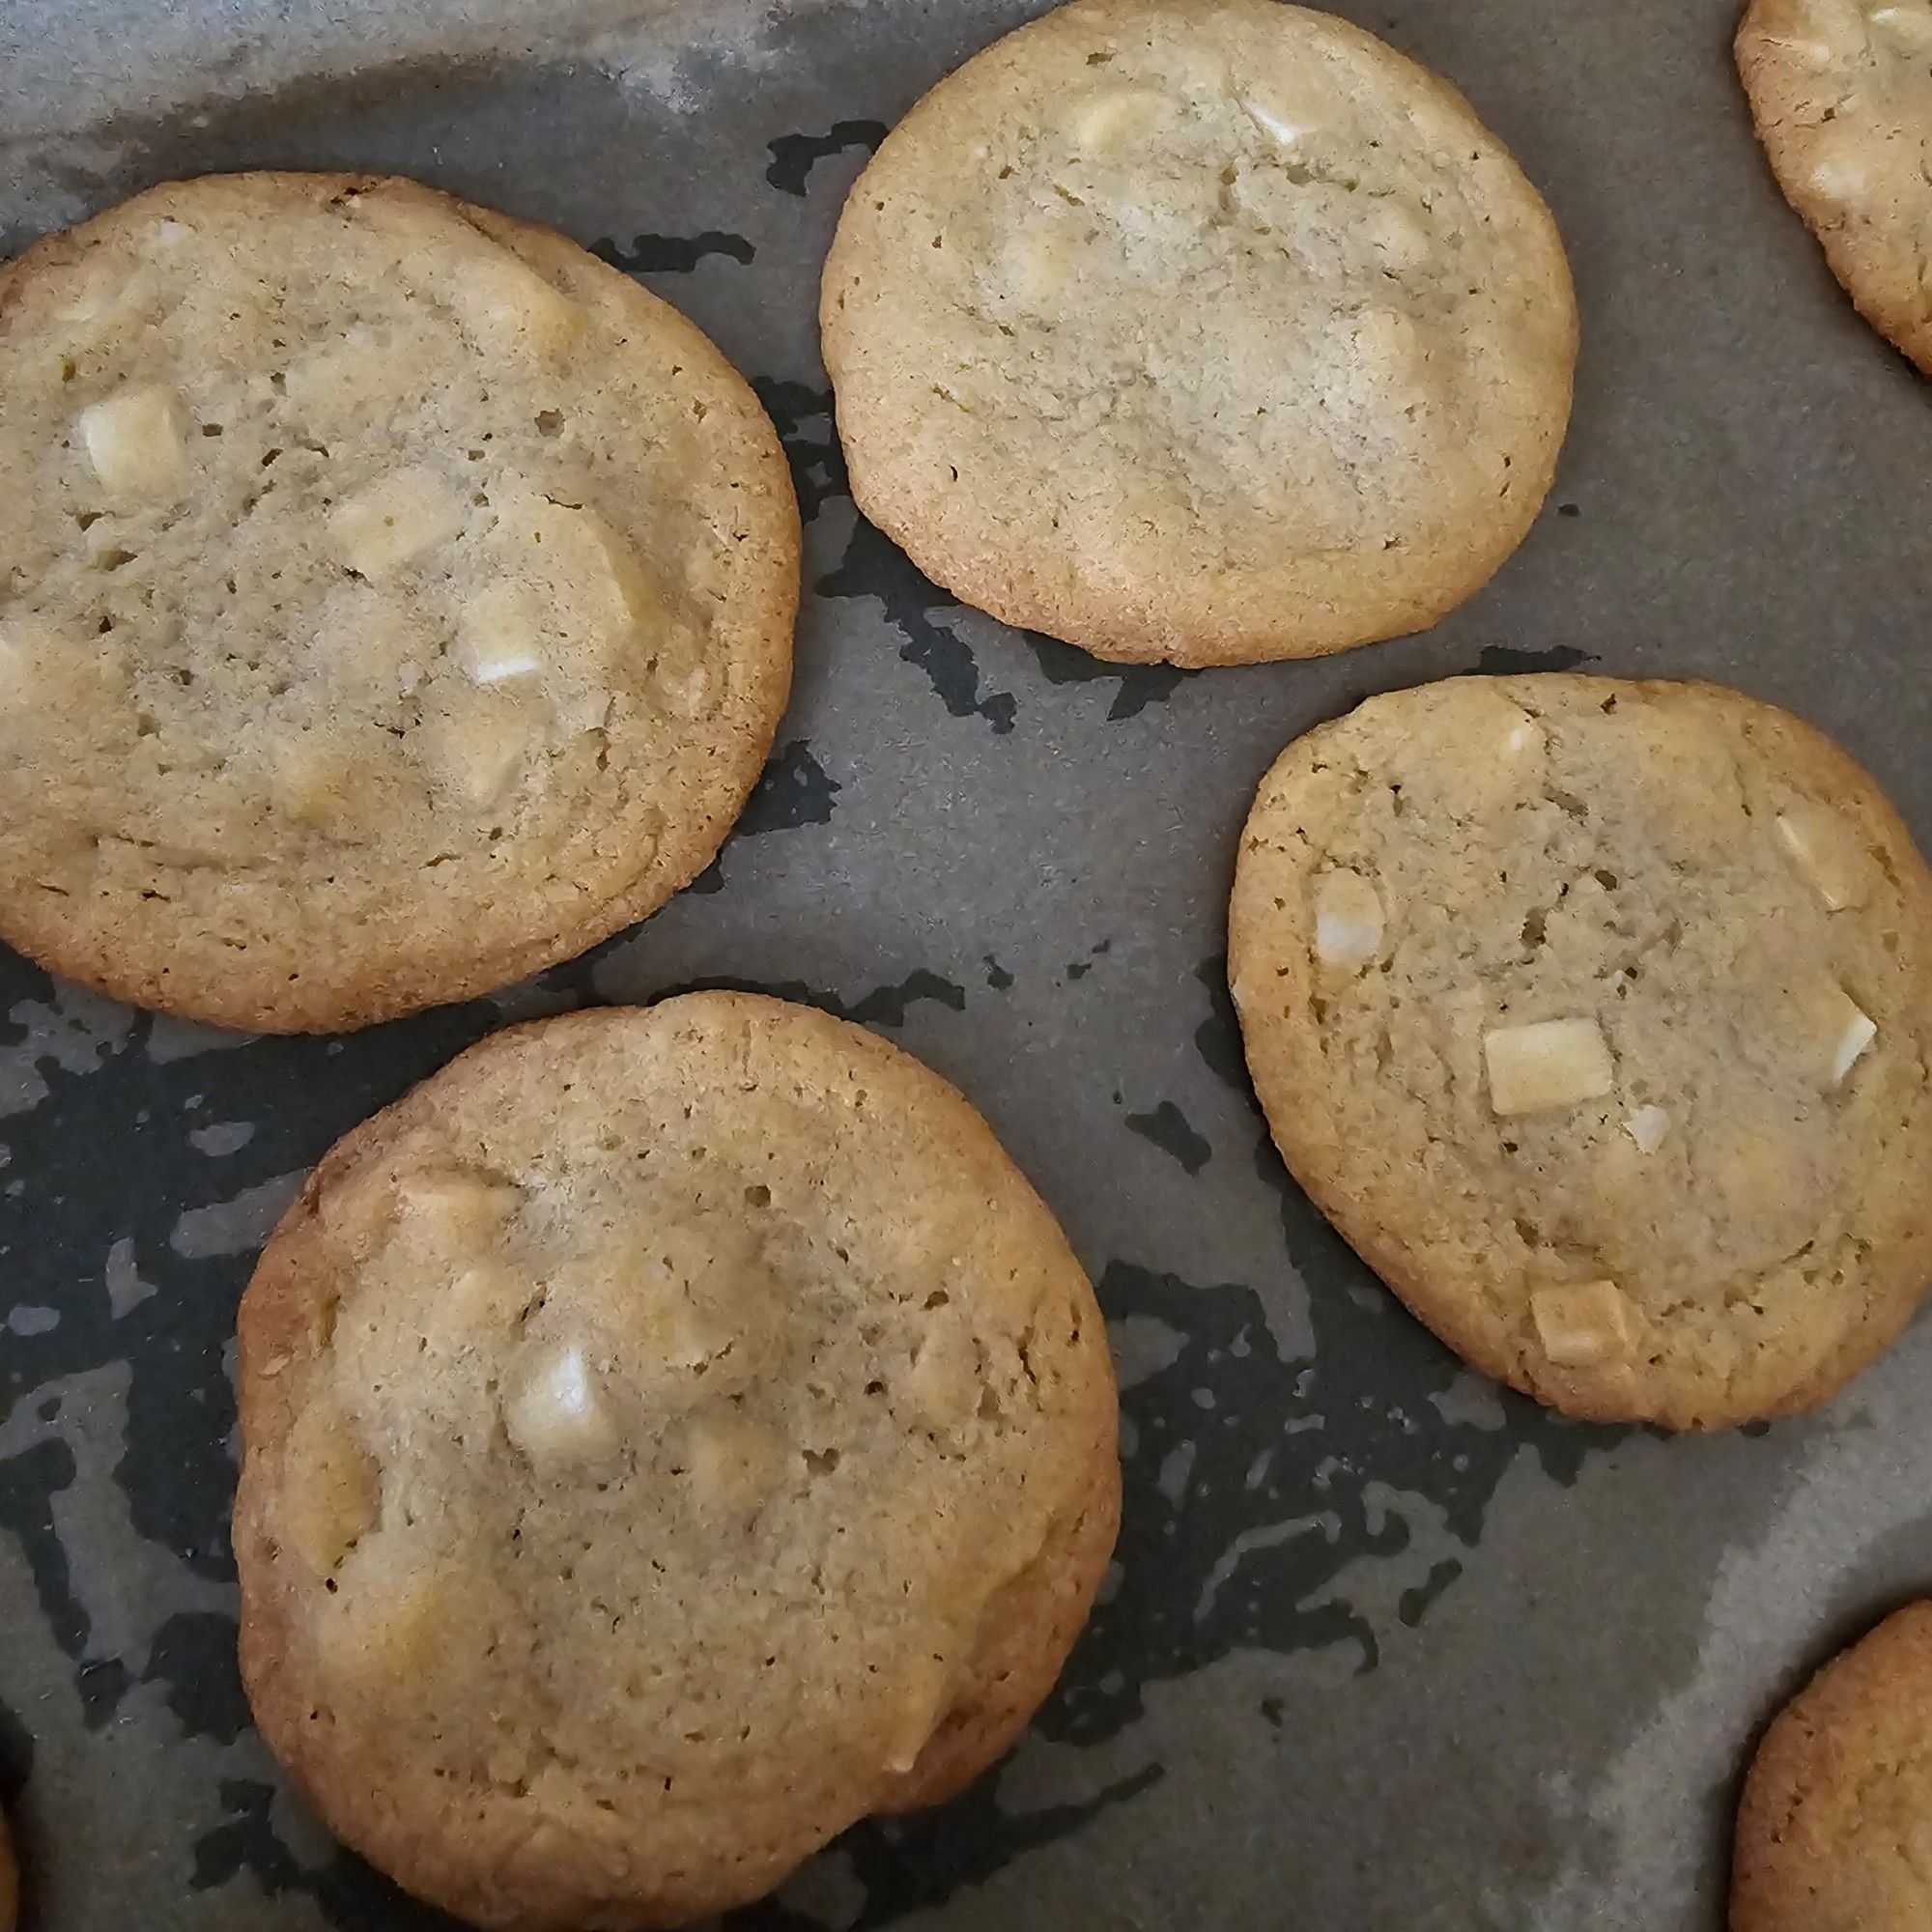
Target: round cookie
<point x="1596" y="1017"/>
<point x="668" y="1436"/>
<point x="1841" y="93"/>
<point x="399" y="599"/>
<point x="1199" y="331"/>
<point x="1835" y="1828"/>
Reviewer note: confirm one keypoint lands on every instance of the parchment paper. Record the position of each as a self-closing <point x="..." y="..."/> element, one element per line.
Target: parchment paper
<point x="1384" y="1649"/>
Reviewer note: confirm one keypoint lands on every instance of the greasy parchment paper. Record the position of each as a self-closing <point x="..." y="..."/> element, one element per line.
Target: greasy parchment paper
<point x="1383" y="1649"/>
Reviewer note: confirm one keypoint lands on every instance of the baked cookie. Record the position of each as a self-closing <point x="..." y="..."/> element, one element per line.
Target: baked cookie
<point x="1841" y="93"/>
<point x="668" y="1436"/>
<point x="1595" y="1015"/>
<point x="1834" y="1829"/>
<point x="1205" y="331"/>
<point x="398" y="599"/>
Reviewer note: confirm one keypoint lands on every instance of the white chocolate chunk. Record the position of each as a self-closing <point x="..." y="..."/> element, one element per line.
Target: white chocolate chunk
<point x="1814" y="54"/>
<point x="1040" y="261"/>
<point x="1581" y="1324"/>
<point x="388" y="1623"/>
<point x="573" y="1830"/>
<point x="1396" y="235"/>
<point x="367" y="639"/>
<point x="37" y="663"/>
<point x="699" y="1331"/>
<point x="1503" y="765"/>
<point x="485" y="1296"/>
<point x="588" y="597"/>
<point x="478" y="748"/>
<point x="595" y="579"/>
<point x="19" y="649"/>
<point x="943" y="1383"/>
<point x="734" y="1459"/>
<point x="1841" y="176"/>
<point x="1819" y="1028"/>
<point x="499" y="635"/>
<point x="555" y="1417"/>
<point x="1272" y="116"/>
<point x="335" y="1492"/>
<point x="1348" y="920"/>
<point x="708" y="1289"/>
<point x="109" y="299"/>
<point x="1109" y="120"/>
<point x="490" y="751"/>
<point x="1828" y="853"/>
<point x="1838" y="25"/>
<point x="1763" y="1176"/>
<point x="689" y="695"/>
<point x="1386" y="342"/>
<point x="315" y="785"/>
<point x="1524" y="739"/>
<point x="137" y="440"/>
<point x="1854" y="1031"/>
<point x="106" y="536"/>
<point x="346" y="381"/>
<point x="922" y="1706"/>
<point x="394" y="521"/>
<point x="1647" y="1127"/>
<point x="1547" y="1065"/>
<point x="1908" y="27"/>
<point x="505" y="303"/>
<point x="49" y="678"/>
<point x="462" y="1208"/>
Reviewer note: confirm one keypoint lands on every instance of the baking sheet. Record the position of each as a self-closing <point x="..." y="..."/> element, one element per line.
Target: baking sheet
<point x="1383" y="1648"/>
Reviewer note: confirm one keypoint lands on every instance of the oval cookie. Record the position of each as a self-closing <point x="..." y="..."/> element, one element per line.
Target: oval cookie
<point x="1841" y="94"/>
<point x="668" y="1437"/>
<point x="1835" y="1828"/>
<point x="1205" y="332"/>
<point x="1595" y="1015"/>
<point x="398" y="600"/>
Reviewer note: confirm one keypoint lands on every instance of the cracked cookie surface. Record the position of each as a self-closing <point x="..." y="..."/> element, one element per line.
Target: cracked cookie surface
<point x="1834" y="1827"/>
<point x="397" y="600"/>
<point x="669" y="1435"/>
<point x="1597" y="1016"/>
<point x="1841" y="95"/>
<point x="1200" y="333"/>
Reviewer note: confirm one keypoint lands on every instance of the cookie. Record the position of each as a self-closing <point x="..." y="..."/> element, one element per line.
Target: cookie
<point x="1199" y="331"/>
<point x="1835" y="1828"/>
<point x="1841" y="93"/>
<point x="398" y="599"/>
<point x="668" y="1436"/>
<point x="1595" y="1015"/>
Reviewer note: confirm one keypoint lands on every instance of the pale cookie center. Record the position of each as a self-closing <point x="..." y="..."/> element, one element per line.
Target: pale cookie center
<point x="1370" y="320"/>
